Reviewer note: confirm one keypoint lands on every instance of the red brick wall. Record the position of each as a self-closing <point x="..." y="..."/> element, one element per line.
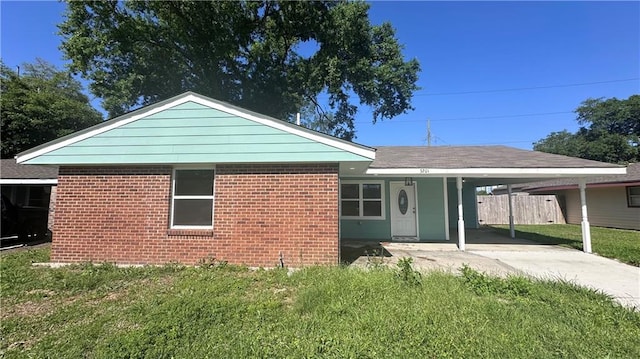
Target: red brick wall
<point x="121" y="214"/>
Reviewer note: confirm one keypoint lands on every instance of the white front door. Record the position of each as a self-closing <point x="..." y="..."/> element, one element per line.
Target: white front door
<point x="403" y="210"/>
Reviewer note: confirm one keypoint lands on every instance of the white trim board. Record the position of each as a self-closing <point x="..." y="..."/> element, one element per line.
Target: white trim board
<point x="9" y="181"/>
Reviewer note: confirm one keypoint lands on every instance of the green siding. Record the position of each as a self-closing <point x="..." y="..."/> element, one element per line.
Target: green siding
<point x="369" y="229"/>
<point x="431" y="209"/>
<point x="469" y="205"/>
<point x="193" y="133"/>
<point x="431" y="222"/>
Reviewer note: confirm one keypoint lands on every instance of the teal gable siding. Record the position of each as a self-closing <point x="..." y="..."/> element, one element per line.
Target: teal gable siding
<point x="194" y="133"/>
<point x="431" y="216"/>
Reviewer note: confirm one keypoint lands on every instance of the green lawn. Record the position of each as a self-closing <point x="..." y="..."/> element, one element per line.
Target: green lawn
<point x="620" y="244"/>
<point x="329" y="312"/>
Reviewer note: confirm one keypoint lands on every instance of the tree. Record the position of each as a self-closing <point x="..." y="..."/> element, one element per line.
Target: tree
<point x="610" y="132"/>
<point x="272" y="57"/>
<point x="40" y="105"/>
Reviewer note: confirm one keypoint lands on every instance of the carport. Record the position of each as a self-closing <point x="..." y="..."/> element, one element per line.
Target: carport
<point x="474" y="166"/>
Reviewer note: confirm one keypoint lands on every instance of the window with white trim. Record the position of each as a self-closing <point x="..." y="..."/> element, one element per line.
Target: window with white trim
<point x="633" y="196"/>
<point x="192" y="198"/>
<point x="362" y="199"/>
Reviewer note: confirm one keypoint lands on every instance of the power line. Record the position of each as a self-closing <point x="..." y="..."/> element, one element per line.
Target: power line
<point x="423" y="93"/>
<point x="475" y="117"/>
<point x="525" y="88"/>
<point x="503" y="116"/>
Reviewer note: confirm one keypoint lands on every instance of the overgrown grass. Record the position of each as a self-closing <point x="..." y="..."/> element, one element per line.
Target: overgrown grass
<point x="620" y="244"/>
<point x="336" y="312"/>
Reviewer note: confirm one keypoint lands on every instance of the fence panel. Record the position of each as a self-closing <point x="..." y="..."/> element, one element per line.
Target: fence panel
<point x="526" y="209"/>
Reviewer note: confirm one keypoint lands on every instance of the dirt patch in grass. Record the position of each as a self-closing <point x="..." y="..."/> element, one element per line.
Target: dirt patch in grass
<point x="27" y="309"/>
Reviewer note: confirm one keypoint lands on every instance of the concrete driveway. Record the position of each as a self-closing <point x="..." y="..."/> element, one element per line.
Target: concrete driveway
<point x="619" y="280"/>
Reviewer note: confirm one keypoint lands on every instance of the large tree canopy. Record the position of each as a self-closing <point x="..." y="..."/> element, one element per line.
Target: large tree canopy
<point x="610" y="132"/>
<point x="273" y="57"/>
<point x="39" y="105"/>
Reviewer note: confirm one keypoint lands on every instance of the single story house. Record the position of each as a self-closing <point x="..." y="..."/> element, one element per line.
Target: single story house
<point x="613" y="200"/>
<point x="31" y="188"/>
<point x="192" y="178"/>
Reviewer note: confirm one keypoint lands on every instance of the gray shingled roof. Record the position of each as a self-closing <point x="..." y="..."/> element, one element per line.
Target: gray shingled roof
<point x="450" y="157"/>
<point x="9" y="169"/>
<point x="633" y="175"/>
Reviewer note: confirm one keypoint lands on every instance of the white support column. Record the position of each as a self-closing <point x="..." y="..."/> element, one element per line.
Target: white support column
<point x="461" y="239"/>
<point x="445" y="190"/>
<point x="586" y="229"/>
<point x="512" y="230"/>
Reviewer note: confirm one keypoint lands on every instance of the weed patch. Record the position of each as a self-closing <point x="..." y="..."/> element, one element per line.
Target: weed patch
<point x="406" y="273"/>
<point x="484" y="284"/>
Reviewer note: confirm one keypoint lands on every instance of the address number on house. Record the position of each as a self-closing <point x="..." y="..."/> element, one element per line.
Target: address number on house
<point x="424" y="171"/>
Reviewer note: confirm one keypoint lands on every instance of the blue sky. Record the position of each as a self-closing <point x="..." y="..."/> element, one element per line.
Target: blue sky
<point x="492" y="72"/>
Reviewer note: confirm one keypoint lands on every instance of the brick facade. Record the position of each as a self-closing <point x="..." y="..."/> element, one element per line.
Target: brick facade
<point x="261" y="212"/>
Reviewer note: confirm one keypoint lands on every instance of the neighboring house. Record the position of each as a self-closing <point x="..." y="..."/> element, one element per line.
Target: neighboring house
<point x="192" y="178"/>
<point x="32" y="189"/>
<point x="613" y="201"/>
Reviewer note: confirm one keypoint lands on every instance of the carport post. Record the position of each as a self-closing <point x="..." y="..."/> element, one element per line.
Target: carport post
<point x="586" y="230"/>
<point x="512" y="230"/>
<point x="461" y="240"/>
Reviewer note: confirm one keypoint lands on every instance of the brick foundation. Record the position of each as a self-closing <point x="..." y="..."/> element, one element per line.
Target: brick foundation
<point x="121" y="214"/>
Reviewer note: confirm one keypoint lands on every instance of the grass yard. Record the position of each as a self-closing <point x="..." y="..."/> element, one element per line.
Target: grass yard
<point x="620" y="244"/>
<point x="331" y="312"/>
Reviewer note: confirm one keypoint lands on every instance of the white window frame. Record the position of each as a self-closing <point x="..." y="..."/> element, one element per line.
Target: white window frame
<point x="361" y="200"/>
<point x="629" y="196"/>
<point x="174" y="197"/>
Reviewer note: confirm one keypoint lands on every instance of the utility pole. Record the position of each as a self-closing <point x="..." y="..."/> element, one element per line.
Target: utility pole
<point x="428" y="132"/>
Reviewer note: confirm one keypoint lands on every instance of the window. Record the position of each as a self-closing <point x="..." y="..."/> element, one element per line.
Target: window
<point x="192" y="198"/>
<point x="633" y="196"/>
<point x="362" y="199"/>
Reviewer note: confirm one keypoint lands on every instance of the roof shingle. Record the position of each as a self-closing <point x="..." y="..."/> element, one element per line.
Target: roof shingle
<point x="633" y="175"/>
<point x="452" y="157"/>
<point x="9" y="169"/>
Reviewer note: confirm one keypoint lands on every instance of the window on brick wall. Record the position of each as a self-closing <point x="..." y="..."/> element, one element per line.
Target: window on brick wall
<point x="192" y="198"/>
<point x="633" y="196"/>
<point x="362" y="199"/>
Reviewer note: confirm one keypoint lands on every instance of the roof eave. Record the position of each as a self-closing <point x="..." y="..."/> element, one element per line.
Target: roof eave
<point x="498" y="172"/>
<point x="589" y="185"/>
<point x="28" y="181"/>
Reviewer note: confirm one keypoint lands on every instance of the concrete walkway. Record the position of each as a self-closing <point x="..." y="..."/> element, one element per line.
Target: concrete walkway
<point x="616" y="279"/>
<point x="619" y="280"/>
